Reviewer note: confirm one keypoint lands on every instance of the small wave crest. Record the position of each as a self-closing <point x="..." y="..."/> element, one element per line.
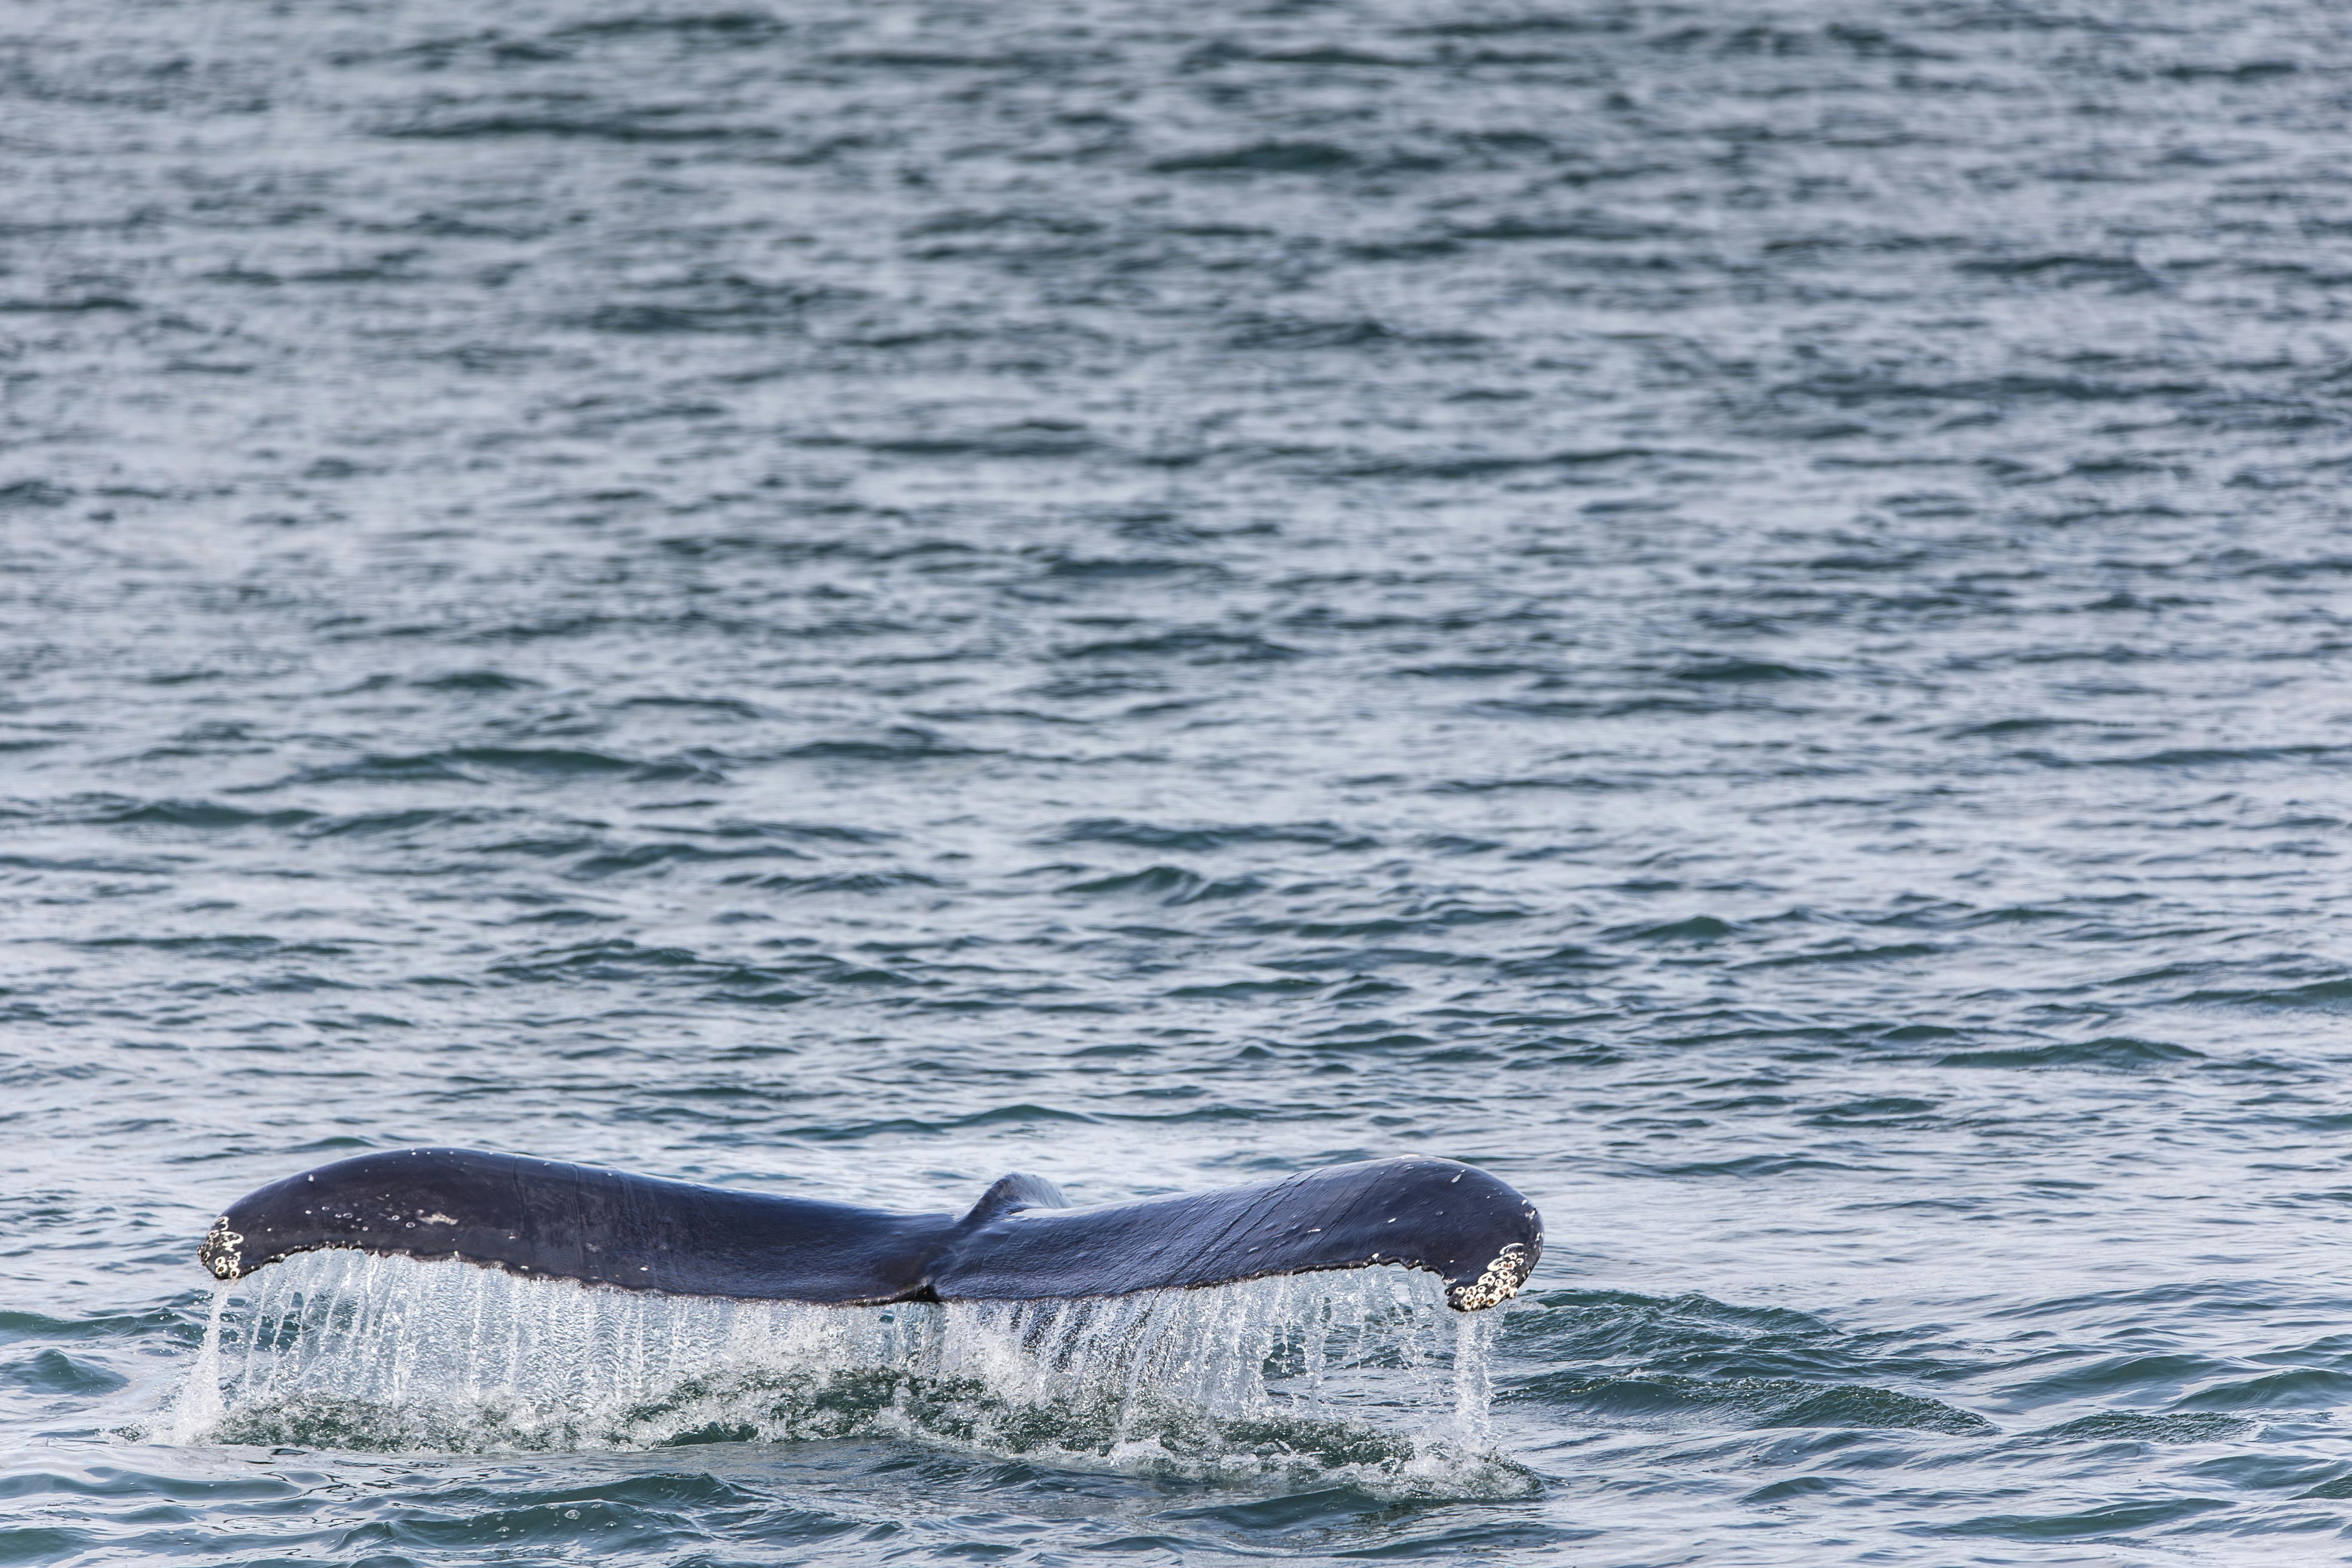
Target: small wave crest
<point x="1362" y="1379"/>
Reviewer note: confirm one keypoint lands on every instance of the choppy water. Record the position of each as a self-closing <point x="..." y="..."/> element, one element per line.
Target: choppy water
<point x="1735" y="610"/>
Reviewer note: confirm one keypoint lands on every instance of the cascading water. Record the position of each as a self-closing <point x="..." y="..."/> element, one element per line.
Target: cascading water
<point x="1362" y="1378"/>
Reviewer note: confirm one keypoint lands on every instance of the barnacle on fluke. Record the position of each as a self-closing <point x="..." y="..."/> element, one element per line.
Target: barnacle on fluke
<point x="220" y="1251"/>
<point x="1020" y="1242"/>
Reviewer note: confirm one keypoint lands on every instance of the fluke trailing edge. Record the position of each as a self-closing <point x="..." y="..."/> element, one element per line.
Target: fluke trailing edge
<point x="1020" y="1242"/>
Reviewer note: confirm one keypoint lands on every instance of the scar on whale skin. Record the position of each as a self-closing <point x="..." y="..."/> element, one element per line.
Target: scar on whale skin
<point x="1020" y="1242"/>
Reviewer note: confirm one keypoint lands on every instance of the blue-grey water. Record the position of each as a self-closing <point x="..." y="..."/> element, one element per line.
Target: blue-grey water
<point x="1737" y="611"/>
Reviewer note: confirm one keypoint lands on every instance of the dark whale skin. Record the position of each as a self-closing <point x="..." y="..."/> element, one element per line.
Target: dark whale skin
<point x="1020" y="1243"/>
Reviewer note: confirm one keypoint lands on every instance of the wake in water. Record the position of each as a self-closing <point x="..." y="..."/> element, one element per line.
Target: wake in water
<point x="1363" y="1378"/>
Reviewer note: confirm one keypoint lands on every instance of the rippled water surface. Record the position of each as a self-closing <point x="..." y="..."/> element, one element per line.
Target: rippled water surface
<point x="1734" y="611"/>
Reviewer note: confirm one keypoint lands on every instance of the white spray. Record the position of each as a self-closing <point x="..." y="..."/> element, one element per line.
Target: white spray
<point x="1364" y="1377"/>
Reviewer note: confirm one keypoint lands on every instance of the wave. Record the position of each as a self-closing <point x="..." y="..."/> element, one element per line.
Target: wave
<point x="1754" y="1401"/>
<point x="2139" y="1426"/>
<point x="1208" y="837"/>
<point x="1169" y="885"/>
<point x="1261" y="158"/>
<point x="484" y="764"/>
<point x="2117" y="1051"/>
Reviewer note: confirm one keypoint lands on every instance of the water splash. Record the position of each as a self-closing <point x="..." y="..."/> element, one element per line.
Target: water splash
<point x="199" y="1409"/>
<point x="1363" y="1378"/>
<point x="1474" y="1377"/>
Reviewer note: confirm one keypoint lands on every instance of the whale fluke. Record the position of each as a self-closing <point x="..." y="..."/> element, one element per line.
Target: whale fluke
<point x="1020" y="1242"/>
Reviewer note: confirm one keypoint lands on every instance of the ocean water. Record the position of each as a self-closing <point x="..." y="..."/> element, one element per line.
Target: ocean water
<point x="1735" y="610"/>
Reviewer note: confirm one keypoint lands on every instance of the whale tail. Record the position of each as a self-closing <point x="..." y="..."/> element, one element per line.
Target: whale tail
<point x="1020" y="1242"/>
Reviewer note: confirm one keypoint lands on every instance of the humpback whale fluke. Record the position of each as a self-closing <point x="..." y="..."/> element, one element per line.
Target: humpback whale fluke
<point x="1020" y="1242"/>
